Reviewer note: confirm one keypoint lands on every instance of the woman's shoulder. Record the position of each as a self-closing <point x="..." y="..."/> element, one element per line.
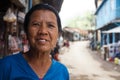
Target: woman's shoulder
<point x="9" y="59"/>
<point x="61" y="70"/>
<point x="59" y="65"/>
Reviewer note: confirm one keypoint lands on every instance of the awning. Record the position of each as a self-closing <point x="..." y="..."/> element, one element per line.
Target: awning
<point x="20" y="3"/>
<point x="114" y="30"/>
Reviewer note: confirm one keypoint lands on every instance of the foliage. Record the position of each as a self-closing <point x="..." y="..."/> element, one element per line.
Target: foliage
<point x="86" y="21"/>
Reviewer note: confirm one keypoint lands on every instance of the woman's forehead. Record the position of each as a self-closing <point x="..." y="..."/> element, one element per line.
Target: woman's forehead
<point x="41" y="11"/>
<point x="43" y="14"/>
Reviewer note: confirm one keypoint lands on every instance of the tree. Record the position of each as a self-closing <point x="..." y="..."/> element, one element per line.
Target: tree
<point x="87" y="21"/>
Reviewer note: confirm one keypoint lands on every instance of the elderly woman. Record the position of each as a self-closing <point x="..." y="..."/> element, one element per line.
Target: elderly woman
<point x="42" y="26"/>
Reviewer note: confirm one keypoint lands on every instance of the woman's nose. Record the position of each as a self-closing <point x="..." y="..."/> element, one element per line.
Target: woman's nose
<point x="43" y="29"/>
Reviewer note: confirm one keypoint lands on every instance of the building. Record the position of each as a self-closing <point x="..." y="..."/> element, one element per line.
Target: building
<point x="108" y="23"/>
<point x="74" y="34"/>
<point x="12" y="14"/>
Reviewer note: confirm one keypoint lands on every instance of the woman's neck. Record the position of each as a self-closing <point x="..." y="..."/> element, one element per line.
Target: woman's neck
<point x="40" y="64"/>
<point x="38" y="58"/>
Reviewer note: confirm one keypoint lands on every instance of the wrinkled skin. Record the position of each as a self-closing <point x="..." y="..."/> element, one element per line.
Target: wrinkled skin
<point x="43" y="31"/>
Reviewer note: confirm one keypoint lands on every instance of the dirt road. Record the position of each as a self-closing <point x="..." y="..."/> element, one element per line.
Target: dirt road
<point x="83" y="64"/>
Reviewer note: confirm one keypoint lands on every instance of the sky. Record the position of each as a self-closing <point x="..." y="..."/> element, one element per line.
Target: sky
<point x="72" y="8"/>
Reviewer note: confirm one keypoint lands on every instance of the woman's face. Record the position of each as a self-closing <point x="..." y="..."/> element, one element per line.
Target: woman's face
<point x="43" y="30"/>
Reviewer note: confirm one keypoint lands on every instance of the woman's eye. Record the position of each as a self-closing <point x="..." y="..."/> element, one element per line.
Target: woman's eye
<point x="36" y="24"/>
<point x="51" y="26"/>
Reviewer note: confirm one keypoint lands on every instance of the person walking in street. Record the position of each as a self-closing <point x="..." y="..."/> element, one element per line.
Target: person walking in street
<point x="42" y="26"/>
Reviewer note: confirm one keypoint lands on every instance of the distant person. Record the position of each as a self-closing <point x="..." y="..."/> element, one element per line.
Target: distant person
<point x="66" y="43"/>
<point x="14" y="44"/>
<point x="25" y="43"/>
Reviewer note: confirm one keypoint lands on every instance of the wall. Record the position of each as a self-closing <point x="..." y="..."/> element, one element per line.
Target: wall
<point x="107" y="12"/>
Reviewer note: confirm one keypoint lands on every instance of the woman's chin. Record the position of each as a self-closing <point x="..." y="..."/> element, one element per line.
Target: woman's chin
<point x="44" y="50"/>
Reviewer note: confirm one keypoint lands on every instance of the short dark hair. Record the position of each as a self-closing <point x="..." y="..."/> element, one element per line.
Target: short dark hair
<point x="40" y="7"/>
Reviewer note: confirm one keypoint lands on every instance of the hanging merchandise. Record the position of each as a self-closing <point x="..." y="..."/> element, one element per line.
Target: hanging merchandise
<point x="9" y="16"/>
<point x="21" y="16"/>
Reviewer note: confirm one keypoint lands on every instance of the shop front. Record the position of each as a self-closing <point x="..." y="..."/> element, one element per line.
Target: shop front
<point x="111" y="43"/>
<point x="11" y="21"/>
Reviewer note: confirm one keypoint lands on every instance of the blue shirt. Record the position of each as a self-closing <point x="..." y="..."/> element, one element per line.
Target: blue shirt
<point x="15" y="67"/>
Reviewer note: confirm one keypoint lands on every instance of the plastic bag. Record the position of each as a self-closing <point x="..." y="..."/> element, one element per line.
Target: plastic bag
<point x="9" y="16"/>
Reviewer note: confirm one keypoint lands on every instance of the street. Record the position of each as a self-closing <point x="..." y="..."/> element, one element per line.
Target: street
<point x="84" y="64"/>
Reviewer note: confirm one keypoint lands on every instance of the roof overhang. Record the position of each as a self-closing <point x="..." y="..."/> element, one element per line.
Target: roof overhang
<point x="112" y="24"/>
<point x="114" y="30"/>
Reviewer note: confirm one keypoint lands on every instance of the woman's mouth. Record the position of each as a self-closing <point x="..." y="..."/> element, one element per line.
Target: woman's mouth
<point x="42" y="41"/>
